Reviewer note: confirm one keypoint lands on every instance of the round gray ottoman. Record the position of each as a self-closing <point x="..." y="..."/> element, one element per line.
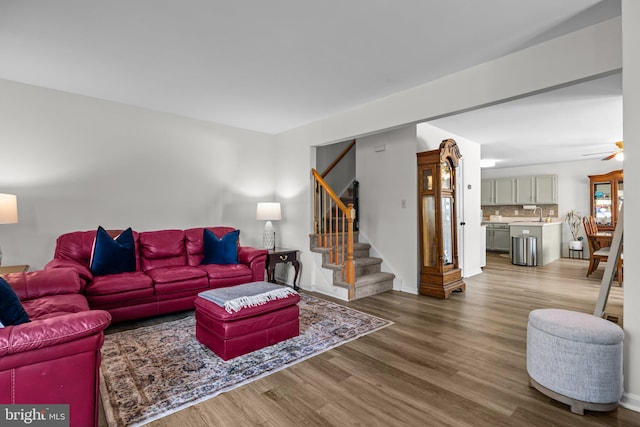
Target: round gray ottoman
<point x="575" y="358"/>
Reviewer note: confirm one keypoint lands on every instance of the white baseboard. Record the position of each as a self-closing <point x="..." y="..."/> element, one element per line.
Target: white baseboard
<point x="630" y="401"/>
<point x="322" y="280"/>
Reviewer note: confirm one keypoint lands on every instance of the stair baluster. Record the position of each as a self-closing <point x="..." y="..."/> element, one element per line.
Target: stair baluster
<point x="327" y="228"/>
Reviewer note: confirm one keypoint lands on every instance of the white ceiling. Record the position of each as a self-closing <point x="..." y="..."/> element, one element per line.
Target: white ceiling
<point x="578" y="122"/>
<point x="273" y="65"/>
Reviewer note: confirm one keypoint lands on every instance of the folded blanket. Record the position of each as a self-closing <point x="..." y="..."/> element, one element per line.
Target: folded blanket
<point x="235" y="298"/>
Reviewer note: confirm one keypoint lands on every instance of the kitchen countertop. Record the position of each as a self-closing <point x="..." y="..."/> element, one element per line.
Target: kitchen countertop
<point x="525" y="223"/>
<point x="535" y="223"/>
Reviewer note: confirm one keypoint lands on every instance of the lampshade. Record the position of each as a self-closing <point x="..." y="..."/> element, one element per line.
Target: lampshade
<point x="8" y="209"/>
<point x="268" y="212"/>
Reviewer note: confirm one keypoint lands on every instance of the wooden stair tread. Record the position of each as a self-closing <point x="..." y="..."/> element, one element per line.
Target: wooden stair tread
<point x="356" y="247"/>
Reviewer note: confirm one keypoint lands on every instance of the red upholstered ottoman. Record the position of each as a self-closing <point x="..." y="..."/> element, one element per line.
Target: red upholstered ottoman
<point x="257" y="315"/>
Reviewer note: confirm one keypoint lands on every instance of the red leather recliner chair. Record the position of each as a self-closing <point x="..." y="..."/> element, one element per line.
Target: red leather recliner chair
<point x="55" y="358"/>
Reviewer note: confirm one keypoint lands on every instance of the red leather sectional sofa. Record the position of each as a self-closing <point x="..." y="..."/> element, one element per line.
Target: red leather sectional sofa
<point x="168" y="274"/>
<point x="54" y="358"/>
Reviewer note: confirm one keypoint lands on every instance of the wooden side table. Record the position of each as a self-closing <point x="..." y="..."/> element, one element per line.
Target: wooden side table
<point x="282" y="255"/>
<point x="6" y="269"/>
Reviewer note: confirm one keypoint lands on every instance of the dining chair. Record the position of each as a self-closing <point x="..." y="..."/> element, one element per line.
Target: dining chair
<point x="590" y="226"/>
<point x="597" y="253"/>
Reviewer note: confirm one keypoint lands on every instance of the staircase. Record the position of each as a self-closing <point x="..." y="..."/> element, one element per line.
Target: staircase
<point x="335" y="236"/>
<point x="369" y="279"/>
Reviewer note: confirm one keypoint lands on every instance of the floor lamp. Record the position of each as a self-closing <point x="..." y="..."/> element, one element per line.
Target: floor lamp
<point x="268" y="212"/>
<point x="8" y="211"/>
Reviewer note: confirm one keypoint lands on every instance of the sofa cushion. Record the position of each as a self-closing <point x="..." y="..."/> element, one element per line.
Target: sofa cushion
<point x="220" y="250"/>
<point x="162" y="248"/>
<point x="175" y="274"/>
<point x="11" y="310"/>
<point x="118" y="283"/>
<point x="194" y="245"/>
<point x="224" y="271"/>
<point x="75" y="246"/>
<point x="113" y="255"/>
<point x="191" y="285"/>
<point x="55" y="305"/>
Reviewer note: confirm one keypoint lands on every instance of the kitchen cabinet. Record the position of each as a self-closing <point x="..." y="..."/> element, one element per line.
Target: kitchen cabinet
<point x="522" y="190"/>
<point x="504" y="191"/>
<point x="487" y="192"/>
<point x="525" y="189"/>
<point x="501" y="238"/>
<point x="546" y="189"/>
<point x="499" y="191"/>
<point x="497" y="236"/>
<point x="606" y="198"/>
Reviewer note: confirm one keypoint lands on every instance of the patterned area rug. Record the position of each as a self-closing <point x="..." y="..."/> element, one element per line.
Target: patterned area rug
<point x="153" y="371"/>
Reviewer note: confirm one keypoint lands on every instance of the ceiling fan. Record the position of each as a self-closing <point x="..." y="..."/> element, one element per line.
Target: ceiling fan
<point x="618" y="154"/>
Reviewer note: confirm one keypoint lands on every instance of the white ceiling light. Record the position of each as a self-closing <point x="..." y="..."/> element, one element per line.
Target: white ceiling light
<point x="487" y="163"/>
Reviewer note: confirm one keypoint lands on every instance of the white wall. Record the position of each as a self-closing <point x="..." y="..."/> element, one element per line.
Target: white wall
<point x="470" y="236"/>
<point x="573" y="184"/>
<point x="77" y="162"/>
<point x="387" y="178"/>
<point x="631" y="108"/>
<point x="342" y="175"/>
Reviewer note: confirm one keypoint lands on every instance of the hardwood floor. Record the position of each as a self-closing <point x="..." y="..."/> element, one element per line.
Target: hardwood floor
<point x="459" y="362"/>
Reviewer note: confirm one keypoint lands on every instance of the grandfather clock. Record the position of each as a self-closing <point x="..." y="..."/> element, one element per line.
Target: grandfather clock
<point x="439" y="271"/>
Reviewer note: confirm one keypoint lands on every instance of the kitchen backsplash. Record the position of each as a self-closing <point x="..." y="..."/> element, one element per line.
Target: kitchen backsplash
<point x="517" y="210"/>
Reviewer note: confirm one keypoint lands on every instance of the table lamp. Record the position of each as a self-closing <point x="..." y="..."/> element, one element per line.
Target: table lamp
<point x="8" y="211"/>
<point x="268" y="212"/>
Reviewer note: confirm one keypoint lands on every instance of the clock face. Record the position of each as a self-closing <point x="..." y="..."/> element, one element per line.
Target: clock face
<point x="445" y="169"/>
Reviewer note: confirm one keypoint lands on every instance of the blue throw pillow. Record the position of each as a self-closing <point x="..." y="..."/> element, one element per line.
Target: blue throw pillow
<point x="11" y="310"/>
<point x="112" y="256"/>
<point x="220" y="251"/>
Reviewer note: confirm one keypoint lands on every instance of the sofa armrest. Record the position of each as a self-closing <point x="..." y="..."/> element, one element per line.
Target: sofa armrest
<point x="255" y="259"/>
<point x="82" y="271"/>
<point x="248" y="254"/>
<point x="55" y="360"/>
<point x="49" y="332"/>
<point x="41" y="283"/>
